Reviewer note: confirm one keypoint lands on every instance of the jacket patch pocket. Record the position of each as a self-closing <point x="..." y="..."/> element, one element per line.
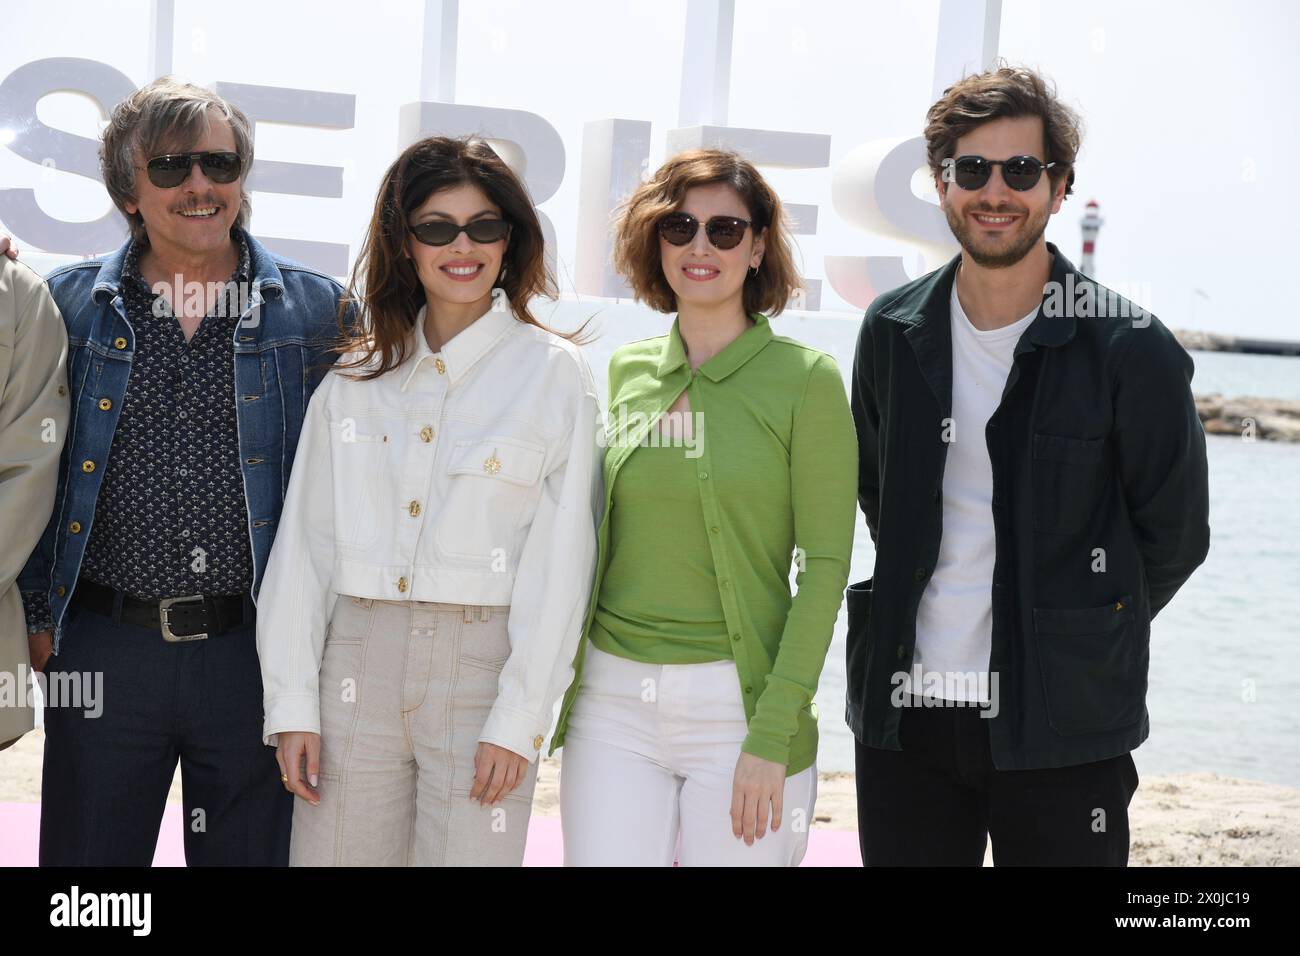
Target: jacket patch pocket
<point x="490" y="482"/>
<point x="858" y="600"/>
<point x="1094" y="674"/>
<point x="1068" y="479"/>
<point x="361" y="452"/>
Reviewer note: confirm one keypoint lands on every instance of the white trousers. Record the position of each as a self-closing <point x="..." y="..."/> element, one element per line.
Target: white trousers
<point x="647" y="769"/>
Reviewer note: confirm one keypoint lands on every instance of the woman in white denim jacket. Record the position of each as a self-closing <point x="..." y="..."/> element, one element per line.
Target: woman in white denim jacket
<point x="433" y="562"/>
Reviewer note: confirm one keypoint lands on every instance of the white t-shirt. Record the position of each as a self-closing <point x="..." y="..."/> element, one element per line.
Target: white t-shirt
<point x="954" y="623"/>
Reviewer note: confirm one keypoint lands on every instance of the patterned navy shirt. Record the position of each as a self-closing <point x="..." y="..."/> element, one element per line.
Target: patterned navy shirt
<point x="171" y="518"/>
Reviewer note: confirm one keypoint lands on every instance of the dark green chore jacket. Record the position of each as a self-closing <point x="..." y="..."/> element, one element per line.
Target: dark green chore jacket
<point x="1100" y="510"/>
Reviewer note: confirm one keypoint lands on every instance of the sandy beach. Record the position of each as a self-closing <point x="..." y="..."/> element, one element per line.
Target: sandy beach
<point x="1185" y="819"/>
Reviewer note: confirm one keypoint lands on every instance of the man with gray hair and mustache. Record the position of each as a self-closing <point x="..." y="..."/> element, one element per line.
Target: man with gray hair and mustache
<point x="193" y="354"/>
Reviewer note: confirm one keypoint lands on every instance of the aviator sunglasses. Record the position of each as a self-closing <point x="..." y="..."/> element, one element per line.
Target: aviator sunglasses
<point x="169" y="171"/>
<point x="725" y="232"/>
<point x="1019" y="172"/>
<point x="441" y="233"/>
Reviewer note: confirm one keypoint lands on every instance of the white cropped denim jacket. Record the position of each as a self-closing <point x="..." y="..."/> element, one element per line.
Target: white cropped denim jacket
<point x="470" y="476"/>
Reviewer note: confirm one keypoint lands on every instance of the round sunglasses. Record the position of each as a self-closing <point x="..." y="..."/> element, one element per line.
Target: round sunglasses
<point x="441" y="233"/>
<point x="725" y="232"/>
<point x="169" y="171"/>
<point x="1018" y="172"/>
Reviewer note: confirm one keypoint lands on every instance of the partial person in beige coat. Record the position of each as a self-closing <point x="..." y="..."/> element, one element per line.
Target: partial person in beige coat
<point x="33" y="418"/>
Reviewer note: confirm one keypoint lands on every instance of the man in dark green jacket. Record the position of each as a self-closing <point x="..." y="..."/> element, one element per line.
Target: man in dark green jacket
<point x="1033" y="473"/>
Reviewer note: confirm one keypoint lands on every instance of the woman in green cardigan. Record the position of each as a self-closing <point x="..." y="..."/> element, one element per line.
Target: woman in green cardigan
<point x="730" y="452"/>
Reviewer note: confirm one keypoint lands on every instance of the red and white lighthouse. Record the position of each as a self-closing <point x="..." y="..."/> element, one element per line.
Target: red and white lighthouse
<point x="1091" y="224"/>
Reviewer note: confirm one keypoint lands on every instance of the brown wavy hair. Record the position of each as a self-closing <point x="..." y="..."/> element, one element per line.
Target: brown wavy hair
<point x="385" y="294"/>
<point x="636" y="232"/>
<point x="1005" y="92"/>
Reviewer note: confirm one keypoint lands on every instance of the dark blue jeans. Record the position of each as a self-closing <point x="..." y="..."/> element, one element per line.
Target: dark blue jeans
<point x="106" y="776"/>
<point x="939" y="800"/>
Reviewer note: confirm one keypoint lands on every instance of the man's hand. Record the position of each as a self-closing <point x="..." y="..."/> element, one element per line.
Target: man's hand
<point x="39" y="647"/>
<point x="7" y="248"/>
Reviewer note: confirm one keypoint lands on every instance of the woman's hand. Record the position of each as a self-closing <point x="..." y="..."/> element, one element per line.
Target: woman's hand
<point x="497" y="771"/>
<point x="289" y="753"/>
<point x="7" y="248"/>
<point x="759" y="786"/>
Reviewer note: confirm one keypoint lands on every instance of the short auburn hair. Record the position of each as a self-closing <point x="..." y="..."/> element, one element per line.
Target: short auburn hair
<point x="1006" y="92"/>
<point x="636" y="233"/>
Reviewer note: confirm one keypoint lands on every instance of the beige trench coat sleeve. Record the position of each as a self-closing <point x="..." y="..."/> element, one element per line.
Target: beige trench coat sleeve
<point x="34" y="409"/>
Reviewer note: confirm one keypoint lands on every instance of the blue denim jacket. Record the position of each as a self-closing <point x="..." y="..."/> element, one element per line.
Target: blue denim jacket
<point x="281" y="355"/>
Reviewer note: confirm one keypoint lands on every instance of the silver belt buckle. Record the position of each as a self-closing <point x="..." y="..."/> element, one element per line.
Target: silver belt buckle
<point x="164" y="606"/>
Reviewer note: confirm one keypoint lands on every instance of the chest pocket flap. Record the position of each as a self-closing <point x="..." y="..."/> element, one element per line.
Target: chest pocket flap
<point x="513" y="460"/>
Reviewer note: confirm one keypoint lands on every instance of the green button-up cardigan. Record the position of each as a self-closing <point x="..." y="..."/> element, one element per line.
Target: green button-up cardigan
<point x="776" y="461"/>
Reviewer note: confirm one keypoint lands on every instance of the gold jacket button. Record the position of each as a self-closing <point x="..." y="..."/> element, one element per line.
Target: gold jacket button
<point x="401" y="585"/>
<point x="440" y="365"/>
<point x="105" y="404"/>
<point x="119" y="343"/>
<point x="414" y="509"/>
<point x="426" y="434"/>
<point x="75" y="527"/>
<point x="537" y="742"/>
<point x="60" y="591"/>
<point x="492" y="464"/>
<point x="63" y="390"/>
<point x="87" y="466"/>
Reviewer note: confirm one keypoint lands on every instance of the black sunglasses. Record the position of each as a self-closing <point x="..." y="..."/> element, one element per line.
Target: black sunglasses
<point x="725" y="232"/>
<point x="169" y="171"/>
<point x="441" y="233"/>
<point x="1019" y="172"/>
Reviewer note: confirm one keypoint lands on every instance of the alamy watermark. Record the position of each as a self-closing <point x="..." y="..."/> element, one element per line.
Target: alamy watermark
<point x="931" y="688"/>
<point x="1088" y="300"/>
<point x="229" y="299"/>
<point x="79" y="690"/>
<point x="667" y="430"/>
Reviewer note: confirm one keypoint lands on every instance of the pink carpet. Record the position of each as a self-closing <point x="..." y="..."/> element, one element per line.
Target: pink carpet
<point x="20" y="829"/>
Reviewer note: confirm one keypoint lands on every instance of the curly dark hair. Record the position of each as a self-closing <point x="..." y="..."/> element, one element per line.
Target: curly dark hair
<point x="1004" y="92"/>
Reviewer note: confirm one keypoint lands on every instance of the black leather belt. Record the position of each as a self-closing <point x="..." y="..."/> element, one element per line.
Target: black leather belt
<point x="180" y="618"/>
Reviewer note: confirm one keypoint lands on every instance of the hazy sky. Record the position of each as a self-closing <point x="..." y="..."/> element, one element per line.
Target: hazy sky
<point x="1191" y="111"/>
